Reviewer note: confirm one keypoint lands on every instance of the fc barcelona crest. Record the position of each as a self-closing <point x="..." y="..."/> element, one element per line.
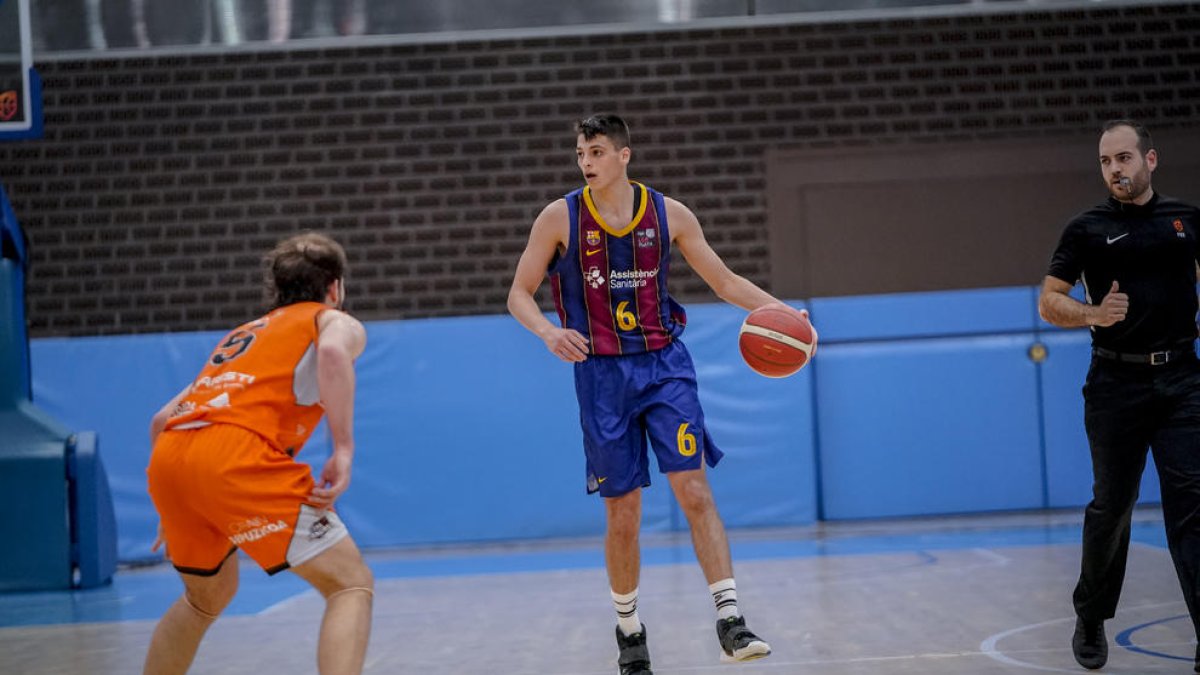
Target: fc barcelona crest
<point x="593" y="237"/>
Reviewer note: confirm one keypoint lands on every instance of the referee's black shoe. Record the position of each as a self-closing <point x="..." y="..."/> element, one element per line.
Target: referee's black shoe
<point x="1089" y="644"/>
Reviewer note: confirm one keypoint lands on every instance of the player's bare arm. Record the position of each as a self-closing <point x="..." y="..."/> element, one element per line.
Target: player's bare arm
<point x="1056" y="306"/>
<point x="342" y="339"/>
<point x="688" y="236"/>
<point x="548" y="236"/>
<point x="159" y="421"/>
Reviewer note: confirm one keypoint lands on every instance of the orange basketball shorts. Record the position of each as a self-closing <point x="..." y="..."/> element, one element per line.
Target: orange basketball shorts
<point x="222" y="487"/>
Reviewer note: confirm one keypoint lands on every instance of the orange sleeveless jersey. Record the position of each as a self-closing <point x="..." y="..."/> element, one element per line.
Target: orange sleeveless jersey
<point x="263" y="377"/>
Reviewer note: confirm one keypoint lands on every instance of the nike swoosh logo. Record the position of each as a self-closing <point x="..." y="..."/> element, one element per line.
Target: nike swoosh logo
<point x="1116" y="238"/>
<point x="601" y="480"/>
<point x="593" y="251"/>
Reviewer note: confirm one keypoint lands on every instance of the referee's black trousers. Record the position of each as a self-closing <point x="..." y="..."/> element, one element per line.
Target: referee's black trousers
<point x="1129" y="407"/>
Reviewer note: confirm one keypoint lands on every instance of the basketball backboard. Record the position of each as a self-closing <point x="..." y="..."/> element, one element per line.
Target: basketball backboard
<point x="19" y="107"/>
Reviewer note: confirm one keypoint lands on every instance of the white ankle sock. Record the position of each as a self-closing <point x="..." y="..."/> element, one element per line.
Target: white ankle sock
<point x="724" y="593"/>
<point x="627" y="614"/>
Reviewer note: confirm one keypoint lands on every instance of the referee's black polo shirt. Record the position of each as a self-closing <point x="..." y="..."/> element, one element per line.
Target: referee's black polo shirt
<point x="1151" y="251"/>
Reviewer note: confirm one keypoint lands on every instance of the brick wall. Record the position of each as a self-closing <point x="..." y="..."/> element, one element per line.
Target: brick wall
<point x="163" y="178"/>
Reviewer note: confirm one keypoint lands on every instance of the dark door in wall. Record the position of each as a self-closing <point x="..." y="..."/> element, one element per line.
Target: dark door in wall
<point x="857" y="221"/>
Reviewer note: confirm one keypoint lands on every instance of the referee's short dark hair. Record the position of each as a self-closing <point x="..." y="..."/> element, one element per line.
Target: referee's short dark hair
<point x="605" y="124"/>
<point x="1143" y="134"/>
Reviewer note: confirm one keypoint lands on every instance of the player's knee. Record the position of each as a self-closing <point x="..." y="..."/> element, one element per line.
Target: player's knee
<point x="623" y="529"/>
<point x="353" y="576"/>
<point x="624" y="512"/>
<point x="210" y="597"/>
<point x="207" y="605"/>
<point x="364" y="590"/>
<point x="694" y="496"/>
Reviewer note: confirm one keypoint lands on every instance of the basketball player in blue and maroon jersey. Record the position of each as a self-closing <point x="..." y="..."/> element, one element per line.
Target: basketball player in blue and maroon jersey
<point x="606" y="248"/>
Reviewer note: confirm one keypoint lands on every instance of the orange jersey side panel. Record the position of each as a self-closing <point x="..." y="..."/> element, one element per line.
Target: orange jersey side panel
<point x="262" y="376"/>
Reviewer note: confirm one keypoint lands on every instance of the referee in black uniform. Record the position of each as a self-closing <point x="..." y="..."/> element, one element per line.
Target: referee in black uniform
<point x="1136" y="255"/>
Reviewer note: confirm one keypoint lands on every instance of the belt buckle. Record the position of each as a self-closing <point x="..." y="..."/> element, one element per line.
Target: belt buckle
<point x="1159" y="358"/>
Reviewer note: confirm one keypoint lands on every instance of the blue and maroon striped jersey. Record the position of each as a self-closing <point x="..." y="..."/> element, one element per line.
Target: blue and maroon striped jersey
<point x="611" y="282"/>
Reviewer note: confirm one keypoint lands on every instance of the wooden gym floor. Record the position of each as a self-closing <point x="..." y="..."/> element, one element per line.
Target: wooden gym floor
<point x="941" y="596"/>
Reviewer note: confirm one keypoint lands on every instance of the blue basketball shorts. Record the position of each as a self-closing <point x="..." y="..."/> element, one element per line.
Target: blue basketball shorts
<point x="625" y="400"/>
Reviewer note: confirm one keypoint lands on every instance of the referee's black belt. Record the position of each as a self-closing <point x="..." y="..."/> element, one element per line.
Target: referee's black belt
<point x="1152" y="359"/>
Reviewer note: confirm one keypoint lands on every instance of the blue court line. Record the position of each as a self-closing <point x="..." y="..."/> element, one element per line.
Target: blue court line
<point x="144" y="594"/>
<point x="1125" y="639"/>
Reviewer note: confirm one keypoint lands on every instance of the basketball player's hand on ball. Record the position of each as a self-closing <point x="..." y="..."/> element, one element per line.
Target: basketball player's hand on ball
<point x="568" y="345"/>
<point x="335" y="478"/>
<point x="804" y="313"/>
<point x="789" y="308"/>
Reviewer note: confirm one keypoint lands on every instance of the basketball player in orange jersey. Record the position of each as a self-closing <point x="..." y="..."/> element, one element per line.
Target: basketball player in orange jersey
<point x="223" y="475"/>
<point x="606" y="248"/>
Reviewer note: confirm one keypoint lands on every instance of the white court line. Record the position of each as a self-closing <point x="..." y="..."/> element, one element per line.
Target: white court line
<point x="996" y="558"/>
<point x="773" y="663"/>
<point x="992" y="559"/>
<point x="988" y="646"/>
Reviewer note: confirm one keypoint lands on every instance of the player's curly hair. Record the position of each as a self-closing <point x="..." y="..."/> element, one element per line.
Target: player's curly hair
<point x="300" y="269"/>
<point x="605" y="124"/>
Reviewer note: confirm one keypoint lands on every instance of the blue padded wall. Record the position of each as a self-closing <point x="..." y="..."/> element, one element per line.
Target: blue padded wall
<point x="467" y="430"/>
<point x="908" y="316"/>
<point x="927" y="403"/>
<point x="928" y="426"/>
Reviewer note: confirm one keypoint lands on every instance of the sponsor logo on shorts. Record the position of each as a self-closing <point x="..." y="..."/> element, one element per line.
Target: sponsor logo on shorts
<point x="319" y="528"/>
<point x="255" y="529"/>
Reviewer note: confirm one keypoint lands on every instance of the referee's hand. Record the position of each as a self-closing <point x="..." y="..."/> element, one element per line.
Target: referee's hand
<point x="1112" y="308"/>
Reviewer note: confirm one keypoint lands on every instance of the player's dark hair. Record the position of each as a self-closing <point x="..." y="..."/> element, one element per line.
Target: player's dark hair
<point x="300" y="269"/>
<point x="1143" y="134"/>
<point x="605" y="124"/>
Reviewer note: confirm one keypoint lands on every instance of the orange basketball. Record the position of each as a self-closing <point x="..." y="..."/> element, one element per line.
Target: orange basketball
<point x="776" y="342"/>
